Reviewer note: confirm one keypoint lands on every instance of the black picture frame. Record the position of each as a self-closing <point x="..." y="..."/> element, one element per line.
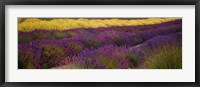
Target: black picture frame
<point x="98" y="2"/>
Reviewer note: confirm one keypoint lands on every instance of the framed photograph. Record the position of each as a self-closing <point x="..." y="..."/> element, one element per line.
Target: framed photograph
<point x="59" y="43"/>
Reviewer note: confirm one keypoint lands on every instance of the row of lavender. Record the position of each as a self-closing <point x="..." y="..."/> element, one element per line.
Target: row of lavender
<point x="113" y="47"/>
<point x="26" y="37"/>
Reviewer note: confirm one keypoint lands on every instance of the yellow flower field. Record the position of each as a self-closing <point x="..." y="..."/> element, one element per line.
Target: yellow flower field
<point x="66" y="24"/>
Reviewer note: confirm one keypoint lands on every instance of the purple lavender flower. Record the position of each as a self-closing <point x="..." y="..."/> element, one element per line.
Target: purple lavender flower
<point x="159" y="42"/>
<point x="105" y="57"/>
<point x="115" y="37"/>
<point x="28" y="56"/>
<point x="115" y="47"/>
<point x="51" y="50"/>
<point x="88" y="39"/>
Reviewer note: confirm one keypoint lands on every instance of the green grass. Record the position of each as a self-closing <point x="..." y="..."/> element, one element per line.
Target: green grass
<point x="169" y="57"/>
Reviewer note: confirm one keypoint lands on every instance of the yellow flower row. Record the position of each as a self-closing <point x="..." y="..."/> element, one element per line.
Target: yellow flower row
<point x="65" y="24"/>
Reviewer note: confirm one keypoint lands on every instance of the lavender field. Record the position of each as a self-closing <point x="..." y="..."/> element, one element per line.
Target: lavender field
<point x="99" y="43"/>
